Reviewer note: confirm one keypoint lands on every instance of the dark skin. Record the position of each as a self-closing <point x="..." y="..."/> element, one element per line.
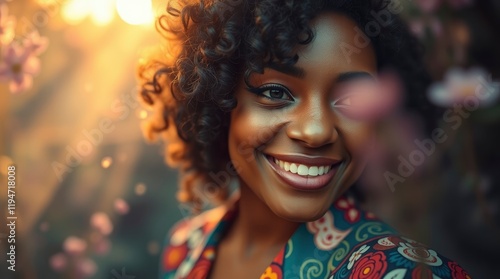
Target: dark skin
<point x="304" y="118"/>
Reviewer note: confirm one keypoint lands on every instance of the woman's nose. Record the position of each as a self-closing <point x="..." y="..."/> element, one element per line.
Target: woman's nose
<point x="313" y="125"/>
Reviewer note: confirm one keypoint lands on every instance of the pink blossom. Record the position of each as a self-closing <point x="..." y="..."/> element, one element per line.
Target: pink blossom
<point x="86" y="267"/>
<point x="102" y="245"/>
<point x="58" y="262"/>
<point x="417" y="27"/>
<point x="18" y="66"/>
<point x="34" y="43"/>
<point x="121" y="206"/>
<point x="464" y="87"/>
<point x="7" y="25"/>
<point x="428" y="6"/>
<point x="74" y="245"/>
<point x="101" y="222"/>
<point x="369" y="100"/>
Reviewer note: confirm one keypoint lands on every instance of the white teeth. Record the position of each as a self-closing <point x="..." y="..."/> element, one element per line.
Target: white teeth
<point x="321" y="170"/>
<point x="313" y="171"/>
<point x="302" y="169"/>
<point x="287" y="166"/>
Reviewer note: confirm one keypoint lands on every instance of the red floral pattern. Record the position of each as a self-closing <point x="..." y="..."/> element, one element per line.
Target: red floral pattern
<point x="457" y="272"/>
<point x="375" y="251"/>
<point x="370" y="266"/>
<point x="421" y="272"/>
<point x="351" y="212"/>
<point x="173" y="256"/>
<point x="200" y="270"/>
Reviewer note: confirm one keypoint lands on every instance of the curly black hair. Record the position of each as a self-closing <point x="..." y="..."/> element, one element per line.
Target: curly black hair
<point x="213" y="44"/>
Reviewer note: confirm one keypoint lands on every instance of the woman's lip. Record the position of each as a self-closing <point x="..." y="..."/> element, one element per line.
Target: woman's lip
<point x="304" y="159"/>
<point x="309" y="183"/>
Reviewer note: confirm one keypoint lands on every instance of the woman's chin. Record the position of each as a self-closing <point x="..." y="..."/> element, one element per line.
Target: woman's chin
<point x="300" y="212"/>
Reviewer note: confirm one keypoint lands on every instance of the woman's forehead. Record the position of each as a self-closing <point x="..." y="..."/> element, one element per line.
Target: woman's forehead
<point x="336" y="47"/>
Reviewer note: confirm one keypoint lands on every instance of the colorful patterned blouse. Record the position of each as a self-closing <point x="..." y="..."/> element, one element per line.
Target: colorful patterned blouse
<point x="345" y="243"/>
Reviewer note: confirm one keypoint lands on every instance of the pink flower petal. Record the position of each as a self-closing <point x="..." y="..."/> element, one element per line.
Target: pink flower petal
<point x="460" y="86"/>
<point x="86" y="267"/>
<point x="35" y="43"/>
<point x="58" y="262"/>
<point x="5" y="73"/>
<point x="369" y="100"/>
<point x="102" y="246"/>
<point x="121" y="206"/>
<point x="417" y="27"/>
<point x="20" y="83"/>
<point x="102" y="223"/>
<point x="428" y="6"/>
<point x="74" y="245"/>
<point x="31" y="65"/>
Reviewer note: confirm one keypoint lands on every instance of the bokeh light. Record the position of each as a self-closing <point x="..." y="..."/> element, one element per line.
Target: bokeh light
<point x="106" y="162"/>
<point x="140" y="189"/>
<point x="135" y="12"/>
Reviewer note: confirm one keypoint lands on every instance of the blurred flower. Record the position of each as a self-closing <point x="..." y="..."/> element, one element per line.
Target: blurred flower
<point x="34" y="43"/>
<point x="58" y="262"/>
<point x="102" y="245"/>
<point x="7" y="25"/>
<point x="428" y="6"/>
<point x="86" y="267"/>
<point x="74" y="245"/>
<point x="101" y="222"/>
<point x="18" y="66"/>
<point x="369" y="99"/>
<point x="460" y="86"/>
<point x="419" y="26"/>
<point x="121" y="206"/>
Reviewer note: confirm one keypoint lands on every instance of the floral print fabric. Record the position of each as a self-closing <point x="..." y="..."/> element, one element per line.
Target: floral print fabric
<point x="345" y="243"/>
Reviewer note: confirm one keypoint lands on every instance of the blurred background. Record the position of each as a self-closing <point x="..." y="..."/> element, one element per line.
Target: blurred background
<point x="94" y="200"/>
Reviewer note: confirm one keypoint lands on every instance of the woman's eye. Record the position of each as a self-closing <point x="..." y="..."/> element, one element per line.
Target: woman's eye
<point x="274" y="92"/>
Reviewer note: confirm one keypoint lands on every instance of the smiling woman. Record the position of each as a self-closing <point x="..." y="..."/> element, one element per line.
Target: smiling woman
<point x="269" y="88"/>
<point x="309" y="127"/>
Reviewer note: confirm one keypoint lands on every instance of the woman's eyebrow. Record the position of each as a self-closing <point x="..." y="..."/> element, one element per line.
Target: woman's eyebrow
<point x="291" y="70"/>
<point x="348" y="76"/>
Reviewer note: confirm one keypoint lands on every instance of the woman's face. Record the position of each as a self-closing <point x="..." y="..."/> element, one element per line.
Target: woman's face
<point x="291" y="140"/>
